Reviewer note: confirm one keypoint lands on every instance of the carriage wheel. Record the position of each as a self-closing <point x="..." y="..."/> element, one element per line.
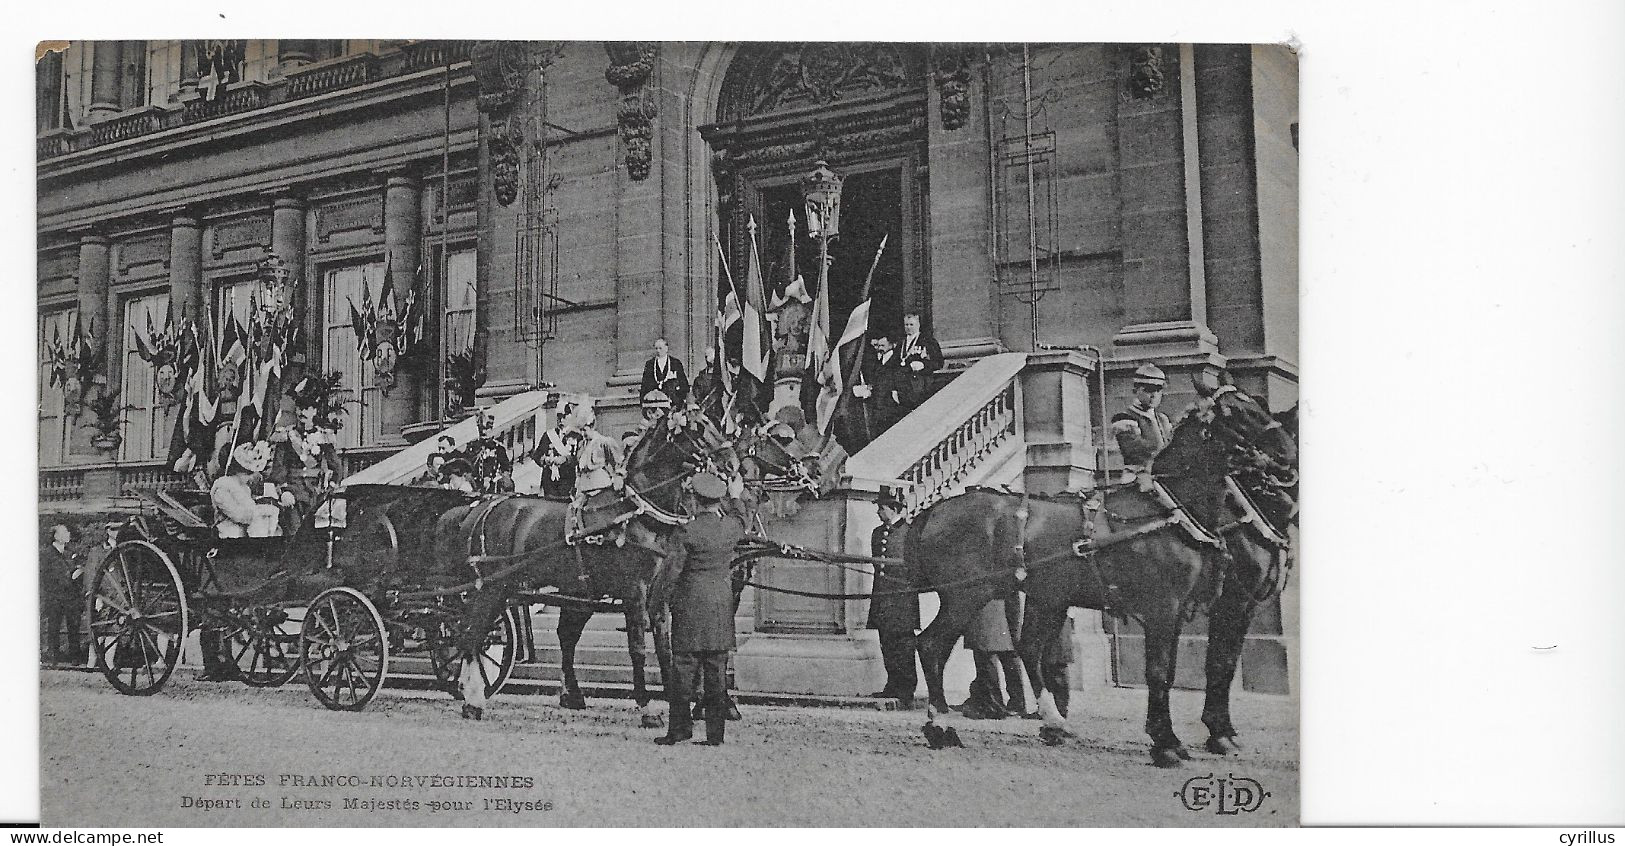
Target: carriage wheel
<point x="265" y="652"/>
<point x="343" y="649"/>
<point x="496" y="659"/>
<point x="137" y="617"/>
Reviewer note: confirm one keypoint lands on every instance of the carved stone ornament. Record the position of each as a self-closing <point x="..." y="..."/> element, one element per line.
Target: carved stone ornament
<point x="798" y="75"/>
<point x="504" y="146"/>
<point x="499" y="71"/>
<point x="631" y="67"/>
<point x="952" y="75"/>
<point x="1145" y="71"/>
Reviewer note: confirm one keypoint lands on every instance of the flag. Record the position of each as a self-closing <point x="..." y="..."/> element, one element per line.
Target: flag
<point x="233" y="343"/>
<point x="727" y="318"/>
<point x="363" y="331"/>
<point x="193" y="436"/>
<point x="847" y="352"/>
<point x="754" y="350"/>
<point x="386" y="294"/>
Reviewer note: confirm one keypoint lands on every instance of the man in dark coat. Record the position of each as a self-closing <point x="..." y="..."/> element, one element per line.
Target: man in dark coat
<point x="664" y="373"/>
<point x="921" y="356"/>
<point x="555" y="453"/>
<point x="60" y="599"/>
<point x="696" y="581"/>
<point x="888" y="383"/>
<point x="892" y="612"/>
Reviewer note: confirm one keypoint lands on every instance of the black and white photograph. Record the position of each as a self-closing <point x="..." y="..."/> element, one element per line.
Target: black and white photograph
<point x="836" y="428"/>
<point x="848" y="405"/>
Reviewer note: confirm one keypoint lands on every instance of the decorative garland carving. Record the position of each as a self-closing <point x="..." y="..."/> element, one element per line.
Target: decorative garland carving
<point x="631" y="67"/>
<point x="952" y="75"/>
<point x="499" y="71"/>
<point x="1145" y="72"/>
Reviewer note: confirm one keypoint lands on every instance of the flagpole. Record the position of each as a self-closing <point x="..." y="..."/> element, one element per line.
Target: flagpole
<point x="722" y="346"/>
<point x="857" y="361"/>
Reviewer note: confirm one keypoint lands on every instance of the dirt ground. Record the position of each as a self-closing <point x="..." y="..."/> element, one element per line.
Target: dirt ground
<point x="112" y="760"/>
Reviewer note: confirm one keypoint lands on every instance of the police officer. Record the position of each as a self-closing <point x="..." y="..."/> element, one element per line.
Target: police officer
<point x="1142" y="430"/>
<point x="894" y="609"/>
<point x="696" y="582"/>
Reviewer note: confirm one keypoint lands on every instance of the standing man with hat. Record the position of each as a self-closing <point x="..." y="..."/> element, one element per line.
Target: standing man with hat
<point x="894" y="607"/>
<point x="1141" y="430"/>
<point x="60" y="599"/>
<point x="696" y="581"/>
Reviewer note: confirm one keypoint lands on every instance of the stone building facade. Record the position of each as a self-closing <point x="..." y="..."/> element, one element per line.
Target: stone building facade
<point x="560" y="205"/>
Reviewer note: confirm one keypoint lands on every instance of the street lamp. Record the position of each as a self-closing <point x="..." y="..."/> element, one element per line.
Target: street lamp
<point x="821" y="190"/>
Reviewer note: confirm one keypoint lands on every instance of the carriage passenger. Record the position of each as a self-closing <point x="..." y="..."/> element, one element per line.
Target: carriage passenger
<point x="493" y="469"/>
<point x="305" y="463"/>
<point x="237" y="512"/>
<point x="457" y="472"/>
<point x="555" y="454"/>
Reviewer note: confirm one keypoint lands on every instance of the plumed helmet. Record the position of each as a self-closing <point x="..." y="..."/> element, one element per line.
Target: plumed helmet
<point x="1150" y="375"/>
<point x="709" y="487"/>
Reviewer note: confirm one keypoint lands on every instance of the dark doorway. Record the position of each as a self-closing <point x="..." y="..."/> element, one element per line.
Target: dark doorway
<point x="871" y="209"/>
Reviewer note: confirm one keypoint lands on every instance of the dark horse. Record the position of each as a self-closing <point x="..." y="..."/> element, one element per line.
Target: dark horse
<point x="975" y="547"/>
<point x="519" y="542"/>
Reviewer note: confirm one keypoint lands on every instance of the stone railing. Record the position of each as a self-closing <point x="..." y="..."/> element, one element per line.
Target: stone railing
<point x="138" y="479"/>
<point x="421" y="55"/>
<point x="358" y="459"/>
<point x="60" y="485"/>
<point x="348" y="72"/>
<point x="149" y="119"/>
<point x="950" y="441"/>
<point x="329" y="76"/>
<point x="518" y="419"/>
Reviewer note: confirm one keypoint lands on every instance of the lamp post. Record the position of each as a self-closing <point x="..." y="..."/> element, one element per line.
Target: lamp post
<point x="821" y="196"/>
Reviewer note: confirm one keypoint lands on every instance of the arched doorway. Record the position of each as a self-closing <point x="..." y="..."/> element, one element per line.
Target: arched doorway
<point x="862" y="109"/>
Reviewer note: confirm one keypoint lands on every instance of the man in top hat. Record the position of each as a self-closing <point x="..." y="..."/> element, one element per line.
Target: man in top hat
<point x="237" y="512"/>
<point x="304" y="461"/>
<point x="60" y="598"/>
<point x="894" y="607"/>
<point x="664" y="373"/>
<point x="555" y="454"/>
<point x="1142" y="430"/>
<point x="696" y="582"/>
<point x="921" y="356"/>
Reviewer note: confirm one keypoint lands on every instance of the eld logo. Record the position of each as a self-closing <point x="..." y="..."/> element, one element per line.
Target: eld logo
<point x="1225" y="795"/>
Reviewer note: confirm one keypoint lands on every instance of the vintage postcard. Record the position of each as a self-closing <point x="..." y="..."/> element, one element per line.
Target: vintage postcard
<point x="581" y="433"/>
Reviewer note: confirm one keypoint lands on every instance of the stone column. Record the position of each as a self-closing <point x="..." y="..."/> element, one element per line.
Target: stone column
<point x="94" y="268"/>
<point x="294" y="54"/>
<point x="105" y="61"/>
<point x="189" y="59"/>
<point x="402" y="231"/>
<point x="186" y="266"/>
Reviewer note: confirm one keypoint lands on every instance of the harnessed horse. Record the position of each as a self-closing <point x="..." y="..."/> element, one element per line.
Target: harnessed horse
<point x="976" y="547"/>
<point x="516" y="543"/>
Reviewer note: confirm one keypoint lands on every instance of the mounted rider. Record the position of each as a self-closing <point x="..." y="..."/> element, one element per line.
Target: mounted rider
<point x="1141" y="429"/>
<point x="599" y="463"/>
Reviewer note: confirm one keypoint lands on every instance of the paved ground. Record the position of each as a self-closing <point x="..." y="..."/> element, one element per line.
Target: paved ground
<point x="133" y="761"/>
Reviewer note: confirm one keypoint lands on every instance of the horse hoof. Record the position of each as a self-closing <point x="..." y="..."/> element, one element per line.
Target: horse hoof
<point x="573" y="701"/>
<point x="1222" y="745"/>
<point x="1165" y="758"/>
<point x="933" y="735"/>
<point x="733" y="711"/>
<point x="1052" y="736"/>
<point x="473" y="712"/>
<point x="652" y="721"/>
<point x="950" y="738"/>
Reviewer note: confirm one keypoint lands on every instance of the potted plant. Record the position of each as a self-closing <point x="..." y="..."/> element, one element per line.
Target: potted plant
<point x="107" y="418"/>
<point x="463" y="380"/>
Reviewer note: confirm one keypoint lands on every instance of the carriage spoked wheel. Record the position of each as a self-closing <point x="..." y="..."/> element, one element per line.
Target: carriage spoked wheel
<point x="137" y="617"/>
<point x="262" y="647"/>
<point x="498" y="653"/>
<point x="343" y="649"/>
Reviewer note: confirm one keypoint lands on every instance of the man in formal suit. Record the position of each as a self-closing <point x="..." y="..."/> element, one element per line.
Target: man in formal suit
<point x="696" y="580"/>
<point x="664" y="373"/>
<point x="1141" y="430"/>
<point x="60" y="599"/>
<point x="94" y="558"/>
<point x="921" y="357"/>
<point x="894" y="609"/>
<point x="888" y="382"/>
<point x="555" y="453"/>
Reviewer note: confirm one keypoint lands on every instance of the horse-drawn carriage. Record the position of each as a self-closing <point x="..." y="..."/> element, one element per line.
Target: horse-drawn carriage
<point x="335" y="599"/>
